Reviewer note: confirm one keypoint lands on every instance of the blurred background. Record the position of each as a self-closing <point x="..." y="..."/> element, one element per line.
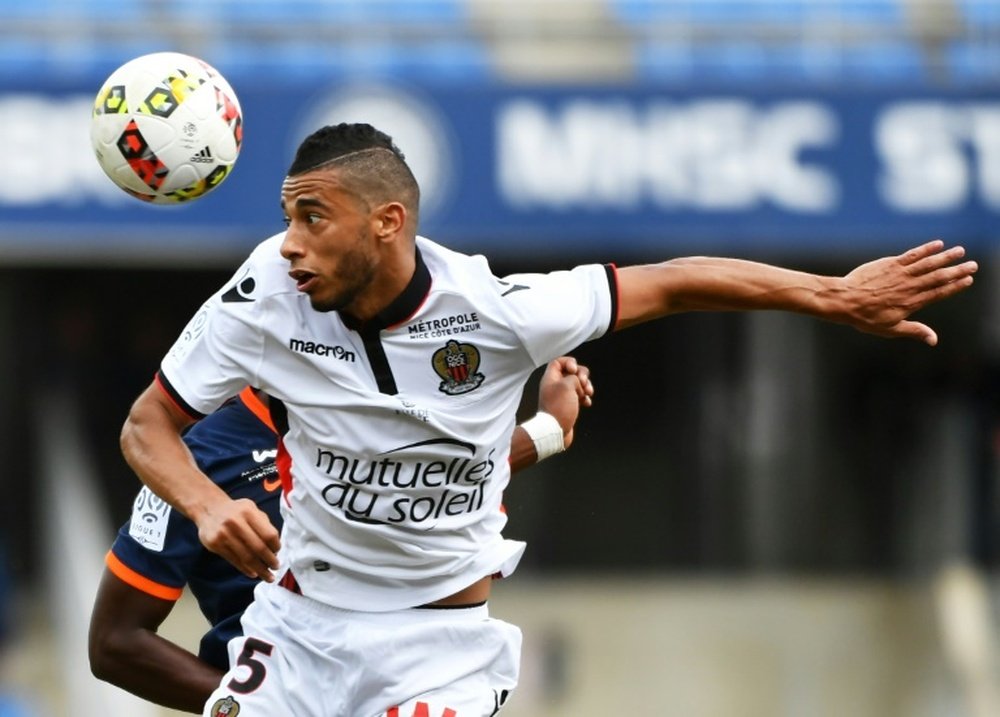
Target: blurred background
<point x="762" y="515"/>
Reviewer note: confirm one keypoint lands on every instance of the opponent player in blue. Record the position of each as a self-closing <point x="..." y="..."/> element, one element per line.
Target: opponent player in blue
<point x="158" y="551"/>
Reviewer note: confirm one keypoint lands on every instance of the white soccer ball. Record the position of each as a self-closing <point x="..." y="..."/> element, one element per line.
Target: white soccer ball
<point x="166" y="127"/>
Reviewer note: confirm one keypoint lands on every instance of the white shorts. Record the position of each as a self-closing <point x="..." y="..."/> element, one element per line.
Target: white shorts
<point x="301" y="658"/>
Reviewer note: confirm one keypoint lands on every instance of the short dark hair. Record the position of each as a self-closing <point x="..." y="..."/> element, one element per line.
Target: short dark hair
<point x="376" y="166"/>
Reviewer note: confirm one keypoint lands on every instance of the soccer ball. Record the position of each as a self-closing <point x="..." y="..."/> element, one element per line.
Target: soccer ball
<point x="166" y="127"/>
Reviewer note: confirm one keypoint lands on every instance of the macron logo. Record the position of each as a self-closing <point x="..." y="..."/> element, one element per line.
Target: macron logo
<point x="316" y="349"/>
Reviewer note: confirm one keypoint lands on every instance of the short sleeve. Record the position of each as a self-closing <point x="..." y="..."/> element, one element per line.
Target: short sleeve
<point x="155" y="551"/>
<point x="556" y="312"/>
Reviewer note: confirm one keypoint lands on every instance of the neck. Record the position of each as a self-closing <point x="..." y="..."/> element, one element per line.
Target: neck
<point x="391" y="279"/>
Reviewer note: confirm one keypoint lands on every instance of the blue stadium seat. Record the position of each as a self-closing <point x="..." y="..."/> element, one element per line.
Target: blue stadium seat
<point x="264" y="13"/>
<point x="866" y="63"/>
<point x="872" y="12"/>
<point x="97" y="11"/>
<point x="979" y="13"/>
<point x="780" y="62"/>
<point x="977" y="62"/>
<point x="731" y="61"/>
<point x="663" y="61"/>
<point x="17" y="9"/>
<point x="884" y="61"/>
<point x="304" y="62"/>
<point x="638" y="13"/>
<point x="19" y="57"/>
<point x="806" y="62"/>
<point x="719" y="61"/>
<point x="762" y="12"/>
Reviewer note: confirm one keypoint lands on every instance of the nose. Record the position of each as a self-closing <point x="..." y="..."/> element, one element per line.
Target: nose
<point x="290" y="246"/>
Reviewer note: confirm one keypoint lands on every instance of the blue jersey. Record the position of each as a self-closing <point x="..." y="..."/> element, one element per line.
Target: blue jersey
<point x="158" y="551"/>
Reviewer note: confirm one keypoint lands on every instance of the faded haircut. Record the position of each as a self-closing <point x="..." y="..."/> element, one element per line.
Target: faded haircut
<point x="369" y="161"/>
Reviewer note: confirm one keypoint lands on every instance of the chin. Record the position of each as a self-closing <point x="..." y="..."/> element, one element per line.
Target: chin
<point x="335" y="303"/>
<point x="325" y="306"/>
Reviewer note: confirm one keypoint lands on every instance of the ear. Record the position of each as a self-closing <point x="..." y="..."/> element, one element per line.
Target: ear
<point x="388" y="220"/>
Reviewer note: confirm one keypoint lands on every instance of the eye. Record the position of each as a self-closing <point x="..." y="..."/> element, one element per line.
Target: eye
<point x="312" y="218"/>
<point x="287" y="220"/>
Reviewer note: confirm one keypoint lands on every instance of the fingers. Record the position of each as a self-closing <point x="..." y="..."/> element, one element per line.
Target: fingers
<point x="959" y="272"/>
<point x="892" y="288"/>
<point x="939" y="278"/>
<point x="915" y="254"/>
<point x="934" y="263"/>
<point x="585" y="389"/>
<point x="245" y="537"/>
<point x="938" y="291"/>
<point x="567" y="366"/>
<point x="563" y="366"/>
<point x="264" y="540"/>
<point x="915" y="330"/>
<point x="250" y="555"/>
<point x="939" y="270"/>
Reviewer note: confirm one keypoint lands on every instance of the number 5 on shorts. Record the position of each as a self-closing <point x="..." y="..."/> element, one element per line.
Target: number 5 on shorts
<point x="258" y="670"/>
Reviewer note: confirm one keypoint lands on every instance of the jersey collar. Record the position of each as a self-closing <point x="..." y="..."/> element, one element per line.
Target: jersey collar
<point x="402" y="307"/>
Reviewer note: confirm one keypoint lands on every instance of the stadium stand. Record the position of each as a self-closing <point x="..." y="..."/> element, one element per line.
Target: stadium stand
<point x="737" y="40"/>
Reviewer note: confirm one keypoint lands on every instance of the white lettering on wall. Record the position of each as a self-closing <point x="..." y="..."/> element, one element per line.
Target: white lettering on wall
<point x="985" y="138"/>
<point x="936" y="156"/>
<point x="920" y="146"/>
<point x="710" y="154"/>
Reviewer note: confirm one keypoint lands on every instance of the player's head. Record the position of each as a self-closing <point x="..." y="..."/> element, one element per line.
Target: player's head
<point x="367" y="160"/>
<point x="350" y="202"/>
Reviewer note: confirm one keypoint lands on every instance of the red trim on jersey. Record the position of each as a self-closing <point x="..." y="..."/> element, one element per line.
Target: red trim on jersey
<point x="616" y="298"/>
<point x="257" y="407"/>
<point x="140" y="582"/>
<point x="289" y="582"/>
<point x="284" y="464"/>
<point x="169" y="393"/>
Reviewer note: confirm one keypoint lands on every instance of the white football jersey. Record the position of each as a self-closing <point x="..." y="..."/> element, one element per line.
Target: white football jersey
<point x="395" y="434"/>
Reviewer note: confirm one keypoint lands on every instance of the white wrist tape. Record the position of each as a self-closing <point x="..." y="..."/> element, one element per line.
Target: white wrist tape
<point x="546" y="433"/>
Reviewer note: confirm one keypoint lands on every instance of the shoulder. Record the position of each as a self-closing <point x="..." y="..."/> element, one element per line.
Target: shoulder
<point x="454" y="271"/>
<point x="263" y="275"/>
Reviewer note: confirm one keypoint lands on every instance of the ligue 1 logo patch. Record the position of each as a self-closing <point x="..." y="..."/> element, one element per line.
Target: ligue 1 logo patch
<point x="458" y="365"/>
<point x="226" y="707"/>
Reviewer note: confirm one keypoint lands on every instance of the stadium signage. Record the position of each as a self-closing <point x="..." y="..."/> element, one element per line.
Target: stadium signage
<point x="711" y="155"/>
<point x="620" y="171"/>
<point x="935" y="156"/>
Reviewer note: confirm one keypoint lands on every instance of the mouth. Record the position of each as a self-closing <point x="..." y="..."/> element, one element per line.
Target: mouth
<point x="304" y="280"/>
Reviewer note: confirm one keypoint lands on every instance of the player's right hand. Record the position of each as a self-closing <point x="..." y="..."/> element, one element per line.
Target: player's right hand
<point x="242" y="533"/>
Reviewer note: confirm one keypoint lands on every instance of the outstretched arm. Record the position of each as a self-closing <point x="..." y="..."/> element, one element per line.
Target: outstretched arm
<point x="565" y="387"/>
<point x="126" y="651"/>
<point x="877" y="297"/>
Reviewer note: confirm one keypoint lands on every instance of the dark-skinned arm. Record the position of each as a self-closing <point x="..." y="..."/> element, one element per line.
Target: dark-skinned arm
<point x="126" y="650"/>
